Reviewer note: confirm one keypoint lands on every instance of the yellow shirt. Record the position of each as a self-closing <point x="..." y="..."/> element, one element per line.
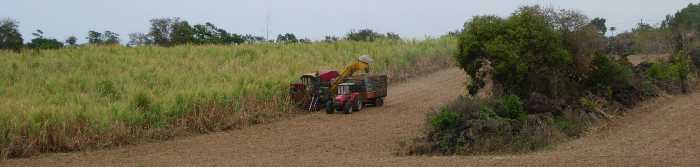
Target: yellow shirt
<point x="355" y="67"/>
<point x="349" y="70"/>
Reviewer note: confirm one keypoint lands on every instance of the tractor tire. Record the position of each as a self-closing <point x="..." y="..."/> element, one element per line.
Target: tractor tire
<point x="379" y="101"/>
<point x="358" y="105"/>
<point x="329" y="108"/>
<point x="347" y="109"/>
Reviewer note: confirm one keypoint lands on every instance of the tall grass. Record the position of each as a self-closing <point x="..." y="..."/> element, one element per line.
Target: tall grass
<point x="87" y="97"/>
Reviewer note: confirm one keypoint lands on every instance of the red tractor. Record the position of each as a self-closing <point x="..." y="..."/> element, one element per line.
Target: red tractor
<point x="353" y="96"/>
<point x="353" y="93"/>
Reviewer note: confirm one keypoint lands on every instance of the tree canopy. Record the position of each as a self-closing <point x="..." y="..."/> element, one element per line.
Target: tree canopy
<point x="10" y="38"/>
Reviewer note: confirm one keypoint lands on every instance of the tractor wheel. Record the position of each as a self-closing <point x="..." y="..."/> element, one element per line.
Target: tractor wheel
<point x="329" y="108"/>
<point x="379" y="101"/>
<point x="358" y="105"/>
<point x="347" y="109"/>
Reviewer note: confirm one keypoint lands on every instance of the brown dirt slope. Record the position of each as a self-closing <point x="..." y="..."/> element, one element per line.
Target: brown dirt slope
<point x="660" y="133"/>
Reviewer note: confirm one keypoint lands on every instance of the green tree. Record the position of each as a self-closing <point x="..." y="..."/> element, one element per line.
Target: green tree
<point x="685" y="26"/>
<point x="599" y="24"/>
<point x="94" y="37"/>
<point x="160" y="30"/>
<point x="138" y="39"/>
<point x="229" y="38"/>
<point x="72" y="41"/>
<point x="110" y="38"/>
<point x="526" y="52"/>
<point x="686" y="19"/>
<point x="104" y="38"/>
<point x="287" y="38"/>
<point x="10" y="38"/>
<point x="182" y="33"/>
<point x="205" y="33"/>
<point x="208" y="33"/>
<point x="253" y="39"/>
<point x="331" y="39"/>
<point x="363" y="35"/>
<point x="39" y="42"/>
<point x="393" y="36"/>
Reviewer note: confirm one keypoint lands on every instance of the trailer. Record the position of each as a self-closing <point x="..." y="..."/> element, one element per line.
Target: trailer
<point x="313" y="91"/>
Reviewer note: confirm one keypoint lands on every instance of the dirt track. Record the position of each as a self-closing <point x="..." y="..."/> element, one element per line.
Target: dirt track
<point x="662" y="133"/>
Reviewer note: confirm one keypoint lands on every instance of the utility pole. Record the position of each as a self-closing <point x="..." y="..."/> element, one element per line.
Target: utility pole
<point x="267" y="20"/>
<point x="267" y="26"/>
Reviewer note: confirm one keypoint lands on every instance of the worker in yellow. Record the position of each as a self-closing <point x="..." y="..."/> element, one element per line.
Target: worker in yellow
<point x="362" y="64"/>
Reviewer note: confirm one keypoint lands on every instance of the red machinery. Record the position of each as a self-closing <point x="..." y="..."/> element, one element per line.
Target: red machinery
<point x="352" y="94"/>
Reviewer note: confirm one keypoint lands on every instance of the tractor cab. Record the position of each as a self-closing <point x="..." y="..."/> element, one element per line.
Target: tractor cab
<point x="347" y="99"/>
<point x="345" y="88"/>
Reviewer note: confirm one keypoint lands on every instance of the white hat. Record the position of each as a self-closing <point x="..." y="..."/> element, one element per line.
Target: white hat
<point x="365" y="59"/>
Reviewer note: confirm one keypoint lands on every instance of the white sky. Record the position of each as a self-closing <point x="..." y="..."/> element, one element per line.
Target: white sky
<point x="306" y="18"/>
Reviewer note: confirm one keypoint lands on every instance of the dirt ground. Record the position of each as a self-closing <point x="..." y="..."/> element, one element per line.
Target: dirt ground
<point x="639" y="58"/>
<point x="663" y="132"/>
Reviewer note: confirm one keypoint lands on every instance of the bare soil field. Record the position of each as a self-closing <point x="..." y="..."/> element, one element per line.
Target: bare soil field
<point x="662" y="132"/>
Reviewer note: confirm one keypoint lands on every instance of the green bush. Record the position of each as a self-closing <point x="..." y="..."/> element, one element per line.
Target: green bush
<point x="470" y="126"/>
<point x="446" y="130"/>
<point x="511" y="107"/>
<point x="445" y="119"/>
<point x="486" y="113"/>
<point x="695" y="57"/>
<point x="609" y="75"/>
<point x="675" y="70"/>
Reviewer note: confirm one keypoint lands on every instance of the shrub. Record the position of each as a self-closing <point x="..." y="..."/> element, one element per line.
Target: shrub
<point x="486" y="113"/>
<point x="609" y="75"/>
<point x="669" y="73"/>
<point x="695" y="57"/>
<point x="446" y="131"/>
<point x="511" y="107"/>
<point x="445" y="119"/>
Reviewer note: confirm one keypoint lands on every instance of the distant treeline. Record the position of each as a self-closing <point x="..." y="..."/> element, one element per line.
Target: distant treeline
<point x="676" y="32"/>
<point x="167" y="32"/>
